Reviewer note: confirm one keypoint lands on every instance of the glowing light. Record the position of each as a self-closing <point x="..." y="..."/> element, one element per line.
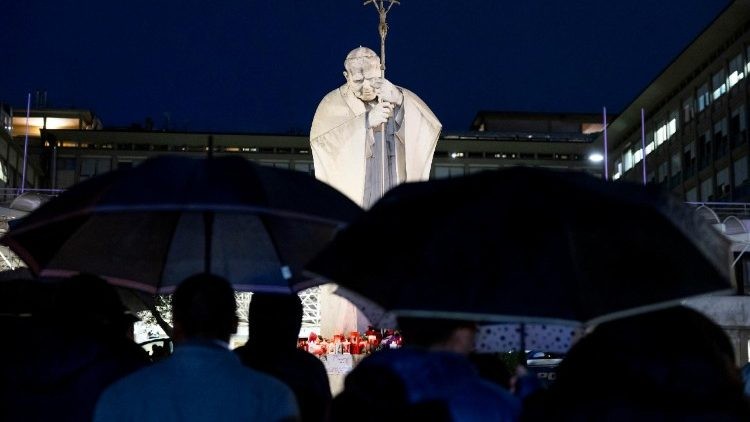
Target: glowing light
<point x="596" y="157"/>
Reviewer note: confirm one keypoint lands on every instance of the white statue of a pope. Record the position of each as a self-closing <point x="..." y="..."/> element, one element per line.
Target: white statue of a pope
<point x="346" y="132"/>
<point x="346" y="140"/>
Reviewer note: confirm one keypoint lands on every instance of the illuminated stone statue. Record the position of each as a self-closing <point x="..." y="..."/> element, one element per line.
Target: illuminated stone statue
<point x="351" y="123"/>
<point x="346" y="138"/>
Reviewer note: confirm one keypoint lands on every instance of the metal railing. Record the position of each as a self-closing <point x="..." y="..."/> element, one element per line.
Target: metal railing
<point x="9" y="194"/>
<point x="726" y="209"/>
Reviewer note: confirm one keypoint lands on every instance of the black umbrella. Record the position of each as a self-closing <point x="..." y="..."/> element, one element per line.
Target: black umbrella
<point x="150" y="227"/>
<point x="526" y="245"/>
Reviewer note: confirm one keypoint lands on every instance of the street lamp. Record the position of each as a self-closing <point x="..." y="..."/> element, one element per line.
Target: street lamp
<point x="596" y="157"/>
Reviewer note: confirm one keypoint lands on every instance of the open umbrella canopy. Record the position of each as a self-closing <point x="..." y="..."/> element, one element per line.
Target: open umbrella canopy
<point x="526" y="245"/>
<point x="152" y="226"/>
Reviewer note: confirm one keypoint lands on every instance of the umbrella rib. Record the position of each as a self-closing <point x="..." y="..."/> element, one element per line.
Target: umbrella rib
<point x="483" y="317"/>
<point x="217" y="208"/>
<point x="273" y="244"/>
<point x="651" y="307"/>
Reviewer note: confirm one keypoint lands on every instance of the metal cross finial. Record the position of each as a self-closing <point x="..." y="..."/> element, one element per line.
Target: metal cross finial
<point x="383" y="26"/>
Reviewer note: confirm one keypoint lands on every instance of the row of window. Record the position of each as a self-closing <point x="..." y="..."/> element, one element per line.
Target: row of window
<point x="306" y="151"/>
<point x="717" y="187"/>
<point x="87" y="167"/>
<point x="721" y="81"/>
<point x="710" y="145"/>
<point x="91" y="166"/>
<point x="721" y="181"/>
<point x="511" y="155"/>
<point x="181" y="148"/>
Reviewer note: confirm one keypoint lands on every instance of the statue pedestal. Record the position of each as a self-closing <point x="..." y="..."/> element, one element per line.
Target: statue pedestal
<point x="338" y="315"/>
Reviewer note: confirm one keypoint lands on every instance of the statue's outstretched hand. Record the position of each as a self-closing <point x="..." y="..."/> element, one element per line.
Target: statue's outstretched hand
<point x="386" y="91"/>
<point x="379" y="114"/>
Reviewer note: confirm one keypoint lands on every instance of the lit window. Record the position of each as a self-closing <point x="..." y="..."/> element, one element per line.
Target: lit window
<point x="719" y="83"/>
<point x="736" y="70"/>
<point x="637" y="156"/>
<point x="703" y="98"/>
<point x="627" y="160"/>
<point x="672" y="123"/>
<point x="650" y="148"/>
<point x="618" y="166"/>
<point x="661" y="134"/>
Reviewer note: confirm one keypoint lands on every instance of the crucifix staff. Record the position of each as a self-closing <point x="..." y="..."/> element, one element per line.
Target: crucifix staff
<point x="383" y="30"/>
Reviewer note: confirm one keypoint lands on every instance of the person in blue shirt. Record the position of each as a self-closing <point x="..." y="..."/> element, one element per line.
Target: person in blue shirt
<point x="429" y="378"/>
<point x="203" y="380"/>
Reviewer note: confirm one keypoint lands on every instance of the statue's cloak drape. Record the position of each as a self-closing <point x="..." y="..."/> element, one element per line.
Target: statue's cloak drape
<point x="339" y="139"/>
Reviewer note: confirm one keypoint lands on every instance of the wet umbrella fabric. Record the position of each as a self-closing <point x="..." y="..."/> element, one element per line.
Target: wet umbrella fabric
<point x="525" y="245"/>
<point x="150" y="227"/>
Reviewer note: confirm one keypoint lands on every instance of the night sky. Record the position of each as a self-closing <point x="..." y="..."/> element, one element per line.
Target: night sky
<point x="263" y="66"/>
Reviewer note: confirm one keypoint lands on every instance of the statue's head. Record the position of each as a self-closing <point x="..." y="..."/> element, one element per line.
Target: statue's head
<point x="362" y="68"/>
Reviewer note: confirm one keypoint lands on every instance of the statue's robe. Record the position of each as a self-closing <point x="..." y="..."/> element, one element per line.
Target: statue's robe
<point x="345" y="149"/>
<point x="341" y="142"/>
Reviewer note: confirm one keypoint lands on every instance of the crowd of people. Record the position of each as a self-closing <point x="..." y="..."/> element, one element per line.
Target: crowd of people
<point x="672" y="364"/>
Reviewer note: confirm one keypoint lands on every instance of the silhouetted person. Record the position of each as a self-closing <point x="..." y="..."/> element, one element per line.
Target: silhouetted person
<point x="492" y="368"/>
<point x="274" y="322"/>
<point x="429" y="378"/>
<point x="156" y="352"/>
<point x="67" y="358"/>
<point x="669" y="365"/>
<point x="202" y="380"/>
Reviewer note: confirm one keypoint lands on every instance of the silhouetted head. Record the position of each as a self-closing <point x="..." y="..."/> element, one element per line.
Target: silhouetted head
<point x="439" y="334"/>
<point x="673" y="362"/>
<point x="274" y="318"/>
<point x="203" y="306"/>
<point x="88" y="299"/>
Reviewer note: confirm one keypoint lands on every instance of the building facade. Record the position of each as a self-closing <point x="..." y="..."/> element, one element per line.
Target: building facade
<point x="12" y="139"/>
<point x="687" y="132"/>
<point x="69" y="156"/>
